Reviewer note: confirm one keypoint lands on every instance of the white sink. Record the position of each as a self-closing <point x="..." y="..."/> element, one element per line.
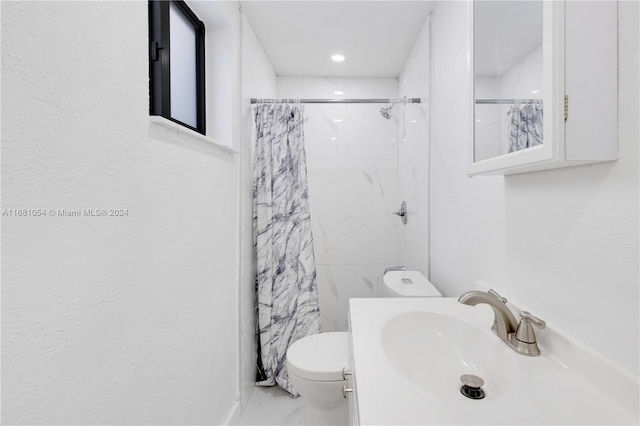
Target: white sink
<point x="408" y="356"/>
<point x="432" y="350"/>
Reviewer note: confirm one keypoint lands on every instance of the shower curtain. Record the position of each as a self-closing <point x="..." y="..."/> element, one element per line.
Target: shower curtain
<point x="524" y="128"/>
<point x="287" y="294"/>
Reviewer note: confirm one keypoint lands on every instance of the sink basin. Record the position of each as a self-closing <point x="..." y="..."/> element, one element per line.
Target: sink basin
<point x="408" y="355"/>
<point x="432" y="350"/>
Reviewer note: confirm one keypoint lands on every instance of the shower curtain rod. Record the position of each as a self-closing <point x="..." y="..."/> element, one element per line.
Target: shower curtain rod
<point x="506" y="101"/>
<point x="340" y="101"/>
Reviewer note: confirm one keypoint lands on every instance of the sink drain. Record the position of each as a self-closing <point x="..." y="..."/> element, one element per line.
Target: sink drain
<point x="471" y="386"/>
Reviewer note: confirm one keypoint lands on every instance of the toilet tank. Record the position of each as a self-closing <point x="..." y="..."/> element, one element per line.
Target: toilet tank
<point x="408" y="283"/>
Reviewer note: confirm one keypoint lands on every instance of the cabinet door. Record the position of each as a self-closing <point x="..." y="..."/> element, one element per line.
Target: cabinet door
<point x="591" y="58"/>
<point x="544" y="85"/>
<point x="517" y="83"/>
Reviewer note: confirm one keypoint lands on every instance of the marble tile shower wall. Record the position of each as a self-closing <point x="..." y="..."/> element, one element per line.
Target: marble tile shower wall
<point x="414" y="156"/>
<point x="352" y="159"/>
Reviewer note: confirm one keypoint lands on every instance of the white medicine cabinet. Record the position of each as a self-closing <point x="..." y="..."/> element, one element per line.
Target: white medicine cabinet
<point x="544" y="84"/>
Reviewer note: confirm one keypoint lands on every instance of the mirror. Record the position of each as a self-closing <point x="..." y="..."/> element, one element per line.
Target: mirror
<point x="508" y="77"/>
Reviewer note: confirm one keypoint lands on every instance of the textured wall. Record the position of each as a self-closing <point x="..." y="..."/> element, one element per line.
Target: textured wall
<point x="109" y="320"/>
<point x="563" y="243"/>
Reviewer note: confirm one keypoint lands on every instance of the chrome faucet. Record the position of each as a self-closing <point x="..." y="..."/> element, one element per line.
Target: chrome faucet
<point x="519" y="337"/>
<point x="504" y="323"/>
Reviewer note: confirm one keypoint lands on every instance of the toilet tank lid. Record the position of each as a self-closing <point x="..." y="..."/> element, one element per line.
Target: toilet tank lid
<point x="410" y="283"/>
<point x="319" y="357"/>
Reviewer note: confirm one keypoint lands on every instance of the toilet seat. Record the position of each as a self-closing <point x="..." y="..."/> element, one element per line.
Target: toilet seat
<point x="319" y="357"/>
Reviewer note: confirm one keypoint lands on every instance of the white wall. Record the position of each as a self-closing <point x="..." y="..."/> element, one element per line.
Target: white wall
<point x="413" y="156"/>
<point x="353" y="188"/>
<point x="109" y="320"/>
<point x="258" y="81"/>
<point x="563" y="243"/>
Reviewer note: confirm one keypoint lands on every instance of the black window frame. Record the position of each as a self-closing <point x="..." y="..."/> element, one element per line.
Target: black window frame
<point x="160" y="66"/>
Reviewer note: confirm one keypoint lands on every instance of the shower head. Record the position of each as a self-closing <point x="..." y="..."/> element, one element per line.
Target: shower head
<point x="386" y="112"/>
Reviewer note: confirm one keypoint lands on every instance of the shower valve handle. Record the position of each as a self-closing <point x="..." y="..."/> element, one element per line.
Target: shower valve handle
<point x="402" y="213"/>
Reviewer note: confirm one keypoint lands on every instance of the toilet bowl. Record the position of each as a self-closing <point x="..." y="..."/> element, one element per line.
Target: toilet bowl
<point x="315" y="362"/>
<point x="315" y="366"/>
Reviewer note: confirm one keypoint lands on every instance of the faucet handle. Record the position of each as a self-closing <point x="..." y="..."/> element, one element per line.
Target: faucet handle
<point x="495" y="293"/>
<point x="534" y="319"/>
<point x="525" y="338"/>
<point x="525" y="332"/>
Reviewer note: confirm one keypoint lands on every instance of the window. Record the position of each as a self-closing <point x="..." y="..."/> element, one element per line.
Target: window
<point x="176" y="64"/>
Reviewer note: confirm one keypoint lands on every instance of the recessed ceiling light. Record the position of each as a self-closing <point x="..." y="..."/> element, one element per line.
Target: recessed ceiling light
<point x="535" y="91"/>
<point x="338" y="92"/>
<point x="337" y="58"/>
<point x="338" y="120"/>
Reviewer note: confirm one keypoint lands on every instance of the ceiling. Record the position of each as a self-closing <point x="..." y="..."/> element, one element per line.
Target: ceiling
<point x="299" y="37"/>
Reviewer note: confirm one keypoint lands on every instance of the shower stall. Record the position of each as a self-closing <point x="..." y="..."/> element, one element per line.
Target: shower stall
<point x="358" y="158"/>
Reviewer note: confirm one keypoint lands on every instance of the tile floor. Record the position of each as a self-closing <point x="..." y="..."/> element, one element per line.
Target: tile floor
<point x="270" y="406"/>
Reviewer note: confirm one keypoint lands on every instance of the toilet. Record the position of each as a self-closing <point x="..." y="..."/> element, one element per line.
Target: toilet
<point x="408" y="283"/>
<point x="315" y="362"/>
<point x="315" y="366"/>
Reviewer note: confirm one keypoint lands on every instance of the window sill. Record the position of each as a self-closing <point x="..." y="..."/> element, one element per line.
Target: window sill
<point x="181" y="130"/>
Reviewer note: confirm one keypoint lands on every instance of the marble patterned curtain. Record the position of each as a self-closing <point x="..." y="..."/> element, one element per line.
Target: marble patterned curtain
<point x="286" y="287"/>
<point x="524" y="128"/>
